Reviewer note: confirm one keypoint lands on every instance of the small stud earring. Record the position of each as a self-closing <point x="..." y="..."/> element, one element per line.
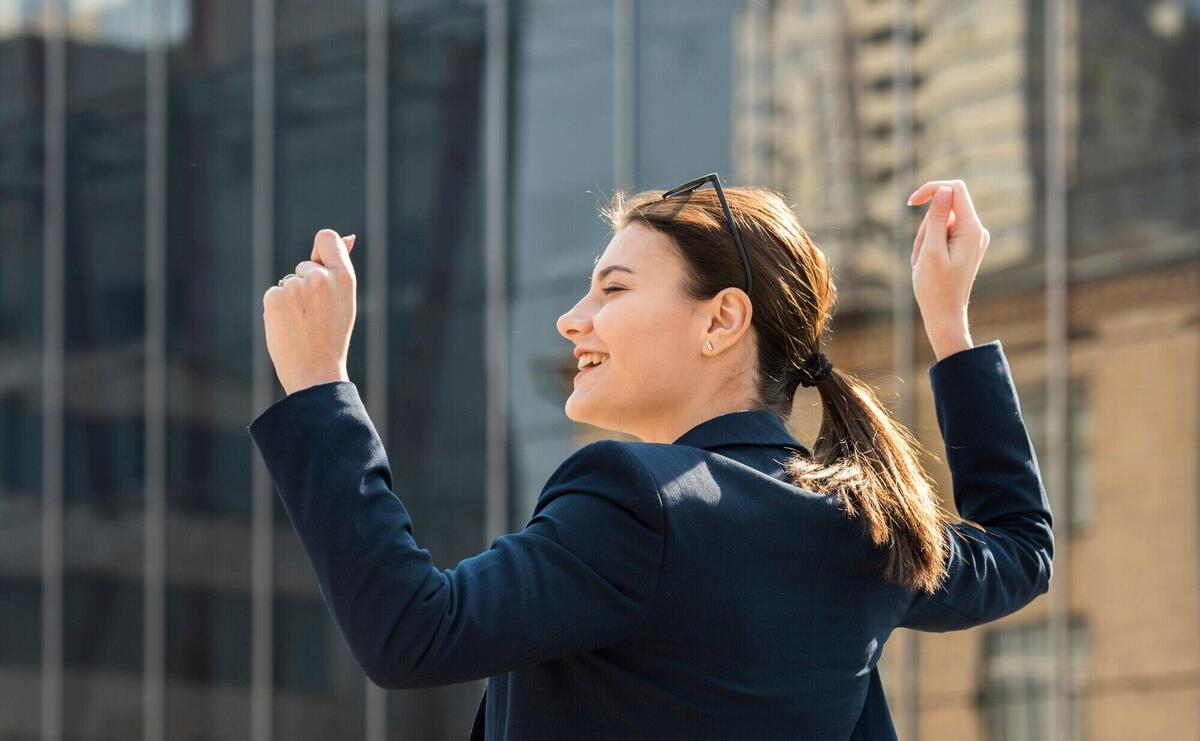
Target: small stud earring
<point x="708" y="344"/>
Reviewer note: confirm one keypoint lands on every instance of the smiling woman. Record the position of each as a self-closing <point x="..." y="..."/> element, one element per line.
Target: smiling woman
<point x="714" y="578"/>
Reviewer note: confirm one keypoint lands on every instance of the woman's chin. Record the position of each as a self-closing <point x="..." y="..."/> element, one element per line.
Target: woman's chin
<point x="574" y="408"/>
<point x="579" y="408"/>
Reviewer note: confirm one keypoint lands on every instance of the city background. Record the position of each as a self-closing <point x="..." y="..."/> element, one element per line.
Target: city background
<point x="163" y="162"/>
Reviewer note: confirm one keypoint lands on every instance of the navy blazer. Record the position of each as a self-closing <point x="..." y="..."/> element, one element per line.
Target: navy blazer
<point x="661" y="591"/>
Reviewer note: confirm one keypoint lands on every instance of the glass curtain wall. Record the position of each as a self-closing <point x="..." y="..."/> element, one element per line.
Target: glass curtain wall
<point x="22" y="198"/>
<point x="561" y="170"/>
<point x="130" y="261"/>
<point x="104" y="372"/>
<point x="435" y="385"/>
<point x="318" y="181"/>
<point x="209" y="350"/>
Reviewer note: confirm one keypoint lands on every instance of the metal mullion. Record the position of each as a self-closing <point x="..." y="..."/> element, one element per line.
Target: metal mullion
<point x="53" y="340"/>
<point x="495" y="167"/>
<point x="262" y="384"/>
<point x="155" y="523"/>
<point x="624" y="92"/>
<point x="377" y="273"/>
<point x="1058" y="719"/>
<point x="903" y="324"/>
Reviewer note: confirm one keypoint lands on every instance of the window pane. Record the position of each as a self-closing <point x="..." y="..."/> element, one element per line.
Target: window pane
<point x="21" y="212"/>
<point x="104" y="423"/>
<point x="436" y="382"/>
<point x="561" y="172"/>
<point x="319" y="179"/>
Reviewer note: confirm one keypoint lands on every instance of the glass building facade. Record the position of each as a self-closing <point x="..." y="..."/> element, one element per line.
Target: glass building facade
<point x="163" y="162"/>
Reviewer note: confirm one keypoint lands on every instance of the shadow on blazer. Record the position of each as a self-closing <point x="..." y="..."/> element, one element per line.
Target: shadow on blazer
<point x="661" y="591"/>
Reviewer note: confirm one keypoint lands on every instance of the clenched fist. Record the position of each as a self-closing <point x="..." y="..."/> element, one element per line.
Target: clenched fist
<point x="309" y="317"/>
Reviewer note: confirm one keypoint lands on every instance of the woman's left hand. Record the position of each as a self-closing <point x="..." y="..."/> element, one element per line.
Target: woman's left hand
<point x="309" y="318"/>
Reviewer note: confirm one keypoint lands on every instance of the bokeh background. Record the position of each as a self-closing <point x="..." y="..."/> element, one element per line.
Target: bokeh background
<point x="163" y="162"/>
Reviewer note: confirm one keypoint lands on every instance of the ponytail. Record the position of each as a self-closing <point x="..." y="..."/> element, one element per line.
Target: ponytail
<point x="872" y="463"/>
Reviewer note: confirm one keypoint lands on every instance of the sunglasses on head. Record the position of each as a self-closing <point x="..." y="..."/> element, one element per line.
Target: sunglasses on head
<point x="691" y="185"/>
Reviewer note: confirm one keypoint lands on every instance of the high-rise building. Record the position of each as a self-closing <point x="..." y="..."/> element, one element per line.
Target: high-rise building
<point x="163" y="162"/>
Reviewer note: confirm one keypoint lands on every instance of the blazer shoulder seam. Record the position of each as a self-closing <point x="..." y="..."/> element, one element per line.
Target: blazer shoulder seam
<point x="662" y="546"/>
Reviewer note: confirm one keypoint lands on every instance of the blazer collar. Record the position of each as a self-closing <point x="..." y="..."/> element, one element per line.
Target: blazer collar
<point x="745" y="427"/>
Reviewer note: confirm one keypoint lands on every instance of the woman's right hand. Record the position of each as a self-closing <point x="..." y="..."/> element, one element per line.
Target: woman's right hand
<point x="949" y="246"/>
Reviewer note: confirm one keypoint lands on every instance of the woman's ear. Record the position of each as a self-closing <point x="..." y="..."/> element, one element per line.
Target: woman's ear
<point x="730" y="313"/>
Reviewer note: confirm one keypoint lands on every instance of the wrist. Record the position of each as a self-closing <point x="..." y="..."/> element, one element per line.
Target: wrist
<point x="948" y="336"/>
<point x="316" y="379"/>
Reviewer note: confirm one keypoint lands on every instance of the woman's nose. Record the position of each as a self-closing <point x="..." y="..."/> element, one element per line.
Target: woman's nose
<point x="573" y="322"/>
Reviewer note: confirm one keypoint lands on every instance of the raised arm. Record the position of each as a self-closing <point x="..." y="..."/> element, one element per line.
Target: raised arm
<point x="996" y="483"/>
<point x="582" y="571"/>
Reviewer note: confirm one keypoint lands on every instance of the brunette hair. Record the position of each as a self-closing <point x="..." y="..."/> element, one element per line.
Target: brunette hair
<point x="862" y="454"/>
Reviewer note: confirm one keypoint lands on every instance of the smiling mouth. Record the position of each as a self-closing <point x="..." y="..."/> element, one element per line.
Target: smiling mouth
<point x="588" y="368"/>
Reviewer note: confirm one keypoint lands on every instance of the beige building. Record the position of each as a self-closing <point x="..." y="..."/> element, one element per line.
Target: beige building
<point x="1133" y="514"/>
<point x="816" y="116"/>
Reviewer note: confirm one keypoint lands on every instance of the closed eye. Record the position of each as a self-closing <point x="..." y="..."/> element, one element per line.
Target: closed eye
<point x="610" y="289"/>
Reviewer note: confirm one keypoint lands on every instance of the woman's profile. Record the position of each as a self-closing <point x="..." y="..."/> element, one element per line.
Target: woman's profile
<point x="713" y="577"/>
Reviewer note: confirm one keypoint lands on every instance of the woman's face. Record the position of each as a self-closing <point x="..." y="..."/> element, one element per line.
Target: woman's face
<point x="656" y="381"/>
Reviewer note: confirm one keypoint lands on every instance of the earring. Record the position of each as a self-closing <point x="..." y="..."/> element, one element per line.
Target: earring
<point x="708" y="344"/>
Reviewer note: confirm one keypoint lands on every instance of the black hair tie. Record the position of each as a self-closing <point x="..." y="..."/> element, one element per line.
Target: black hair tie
<point x="815" y="370"/>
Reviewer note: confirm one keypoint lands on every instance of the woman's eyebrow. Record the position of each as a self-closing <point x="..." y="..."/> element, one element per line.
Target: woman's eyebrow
<point x="605" y="271"/>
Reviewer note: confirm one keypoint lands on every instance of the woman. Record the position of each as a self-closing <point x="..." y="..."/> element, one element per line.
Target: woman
<point x="714" y="578"/>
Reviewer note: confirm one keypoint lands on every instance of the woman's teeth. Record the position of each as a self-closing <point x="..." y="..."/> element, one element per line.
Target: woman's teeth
<point x="590" y="358"/>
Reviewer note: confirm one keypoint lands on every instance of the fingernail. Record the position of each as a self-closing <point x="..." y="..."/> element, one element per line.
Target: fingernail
<point x="911" y="196"/>
<point x="943" y="195"/>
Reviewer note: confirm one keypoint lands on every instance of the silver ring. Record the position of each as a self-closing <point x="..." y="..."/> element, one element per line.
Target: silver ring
<point x="289" y="275"/>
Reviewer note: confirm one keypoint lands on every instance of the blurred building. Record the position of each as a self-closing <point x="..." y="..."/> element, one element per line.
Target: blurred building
<point x="162" y="163"/>
<point x="835" y="99"/>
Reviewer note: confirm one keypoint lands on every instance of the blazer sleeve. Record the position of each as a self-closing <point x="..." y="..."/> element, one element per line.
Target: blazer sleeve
<point x="997" y="484"/>
<point x="582" y="571"/>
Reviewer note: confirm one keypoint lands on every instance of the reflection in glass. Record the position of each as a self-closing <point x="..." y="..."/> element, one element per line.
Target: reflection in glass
<point x="21" y="223"/>
<point x="103" y="421"/>
<point x="319" y="181"/>
<point x="562" y="170"/>
<point x="210" y="305"/>
<point x="435" y="384"/>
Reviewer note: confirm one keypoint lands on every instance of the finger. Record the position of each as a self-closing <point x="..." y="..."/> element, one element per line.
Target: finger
<point x="926" y="191"/>
<point x="937" y="218"/>
<point x="952" y="230"/>
<point x="307" y="266"/>
<point x="331" y="251"/>
<point x="938" y="213"/>
<point x="961" y="198"/>
<point x="270" y="295"/>
<point x="916" y="250"/>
